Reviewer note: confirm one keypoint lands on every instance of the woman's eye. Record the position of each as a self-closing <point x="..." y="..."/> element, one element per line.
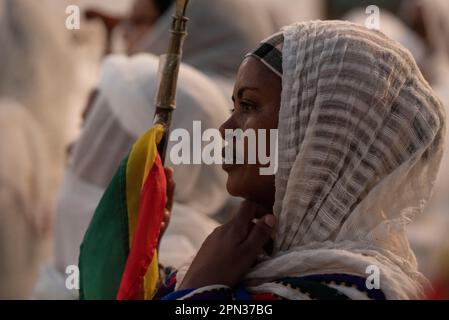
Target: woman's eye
<point x="246" y="107"/>
<point x="231" y="110"/>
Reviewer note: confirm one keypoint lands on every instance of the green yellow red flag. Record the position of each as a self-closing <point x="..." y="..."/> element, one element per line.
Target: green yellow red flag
<point x="118" y="256"/>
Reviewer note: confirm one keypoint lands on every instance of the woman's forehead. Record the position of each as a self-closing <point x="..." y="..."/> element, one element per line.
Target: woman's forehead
<point x="253" y="73"/>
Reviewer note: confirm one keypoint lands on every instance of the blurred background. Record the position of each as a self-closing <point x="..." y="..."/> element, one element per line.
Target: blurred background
<point x="72" y="102"/>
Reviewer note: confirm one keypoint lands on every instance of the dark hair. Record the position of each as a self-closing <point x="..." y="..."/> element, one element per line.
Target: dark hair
<point x="163" y="5"/>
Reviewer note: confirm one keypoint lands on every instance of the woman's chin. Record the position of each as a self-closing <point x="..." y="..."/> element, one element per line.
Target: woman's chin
<point x="233" y="190"/>
<point x="235" y="185"/>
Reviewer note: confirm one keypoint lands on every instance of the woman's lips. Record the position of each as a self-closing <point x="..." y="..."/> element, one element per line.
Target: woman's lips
<point x="228" y="166"/>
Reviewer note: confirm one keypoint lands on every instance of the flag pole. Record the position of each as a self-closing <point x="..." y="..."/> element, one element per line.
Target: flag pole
<point x="169" y="69"/>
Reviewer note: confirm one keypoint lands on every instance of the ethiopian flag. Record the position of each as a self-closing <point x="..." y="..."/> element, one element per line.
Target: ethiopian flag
<point x="118" y="258"/>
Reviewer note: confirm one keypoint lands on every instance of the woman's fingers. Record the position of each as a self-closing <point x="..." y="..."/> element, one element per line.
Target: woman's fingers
<point x="171" y="185"/>
<point x="167" y="216"/>
<point x="242" y="221"/>
<point x="169" y="202"/>
<point x="260" y="234"/>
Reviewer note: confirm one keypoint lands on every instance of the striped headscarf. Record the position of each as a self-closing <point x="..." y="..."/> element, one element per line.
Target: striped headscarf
<point x="269" y="52"/>
<point x="360" y="142"/>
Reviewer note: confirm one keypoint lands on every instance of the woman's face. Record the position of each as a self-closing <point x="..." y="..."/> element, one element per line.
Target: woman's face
<point x="256" y="97"/>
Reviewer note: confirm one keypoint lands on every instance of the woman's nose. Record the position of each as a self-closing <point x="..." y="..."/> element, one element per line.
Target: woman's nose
<point x="228" y="124"/>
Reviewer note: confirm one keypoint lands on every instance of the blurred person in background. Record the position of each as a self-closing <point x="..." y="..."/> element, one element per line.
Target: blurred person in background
<point x="337" y="9"/>
<point x="37" y="82"/>
<point x="217" y="33"/>
<point x="25" y="203"/>
<point x="121" y="113"/>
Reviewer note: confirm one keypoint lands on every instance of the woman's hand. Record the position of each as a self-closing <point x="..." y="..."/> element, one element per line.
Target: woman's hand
<point x="171" y="185"/>
<point x="232" y="249"/>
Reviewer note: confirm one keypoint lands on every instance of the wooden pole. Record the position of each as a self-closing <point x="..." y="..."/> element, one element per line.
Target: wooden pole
<point x="169" y="69"/>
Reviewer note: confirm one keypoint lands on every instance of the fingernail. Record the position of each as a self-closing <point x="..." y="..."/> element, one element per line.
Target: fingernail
<point x="270" y="220"/>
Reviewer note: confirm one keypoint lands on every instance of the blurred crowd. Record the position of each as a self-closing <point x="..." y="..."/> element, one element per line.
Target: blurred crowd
<point x="72" y="102"/>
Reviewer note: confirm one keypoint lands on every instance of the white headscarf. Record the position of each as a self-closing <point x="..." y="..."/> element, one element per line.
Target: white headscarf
<point x="360" y="141"/>
<point x="122" y="112"/>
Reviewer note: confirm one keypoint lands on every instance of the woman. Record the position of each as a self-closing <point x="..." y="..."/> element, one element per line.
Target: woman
<point x="360" y="142"/>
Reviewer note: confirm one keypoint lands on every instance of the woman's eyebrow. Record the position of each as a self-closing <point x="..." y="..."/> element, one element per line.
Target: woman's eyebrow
<point x="243" y="89"/>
